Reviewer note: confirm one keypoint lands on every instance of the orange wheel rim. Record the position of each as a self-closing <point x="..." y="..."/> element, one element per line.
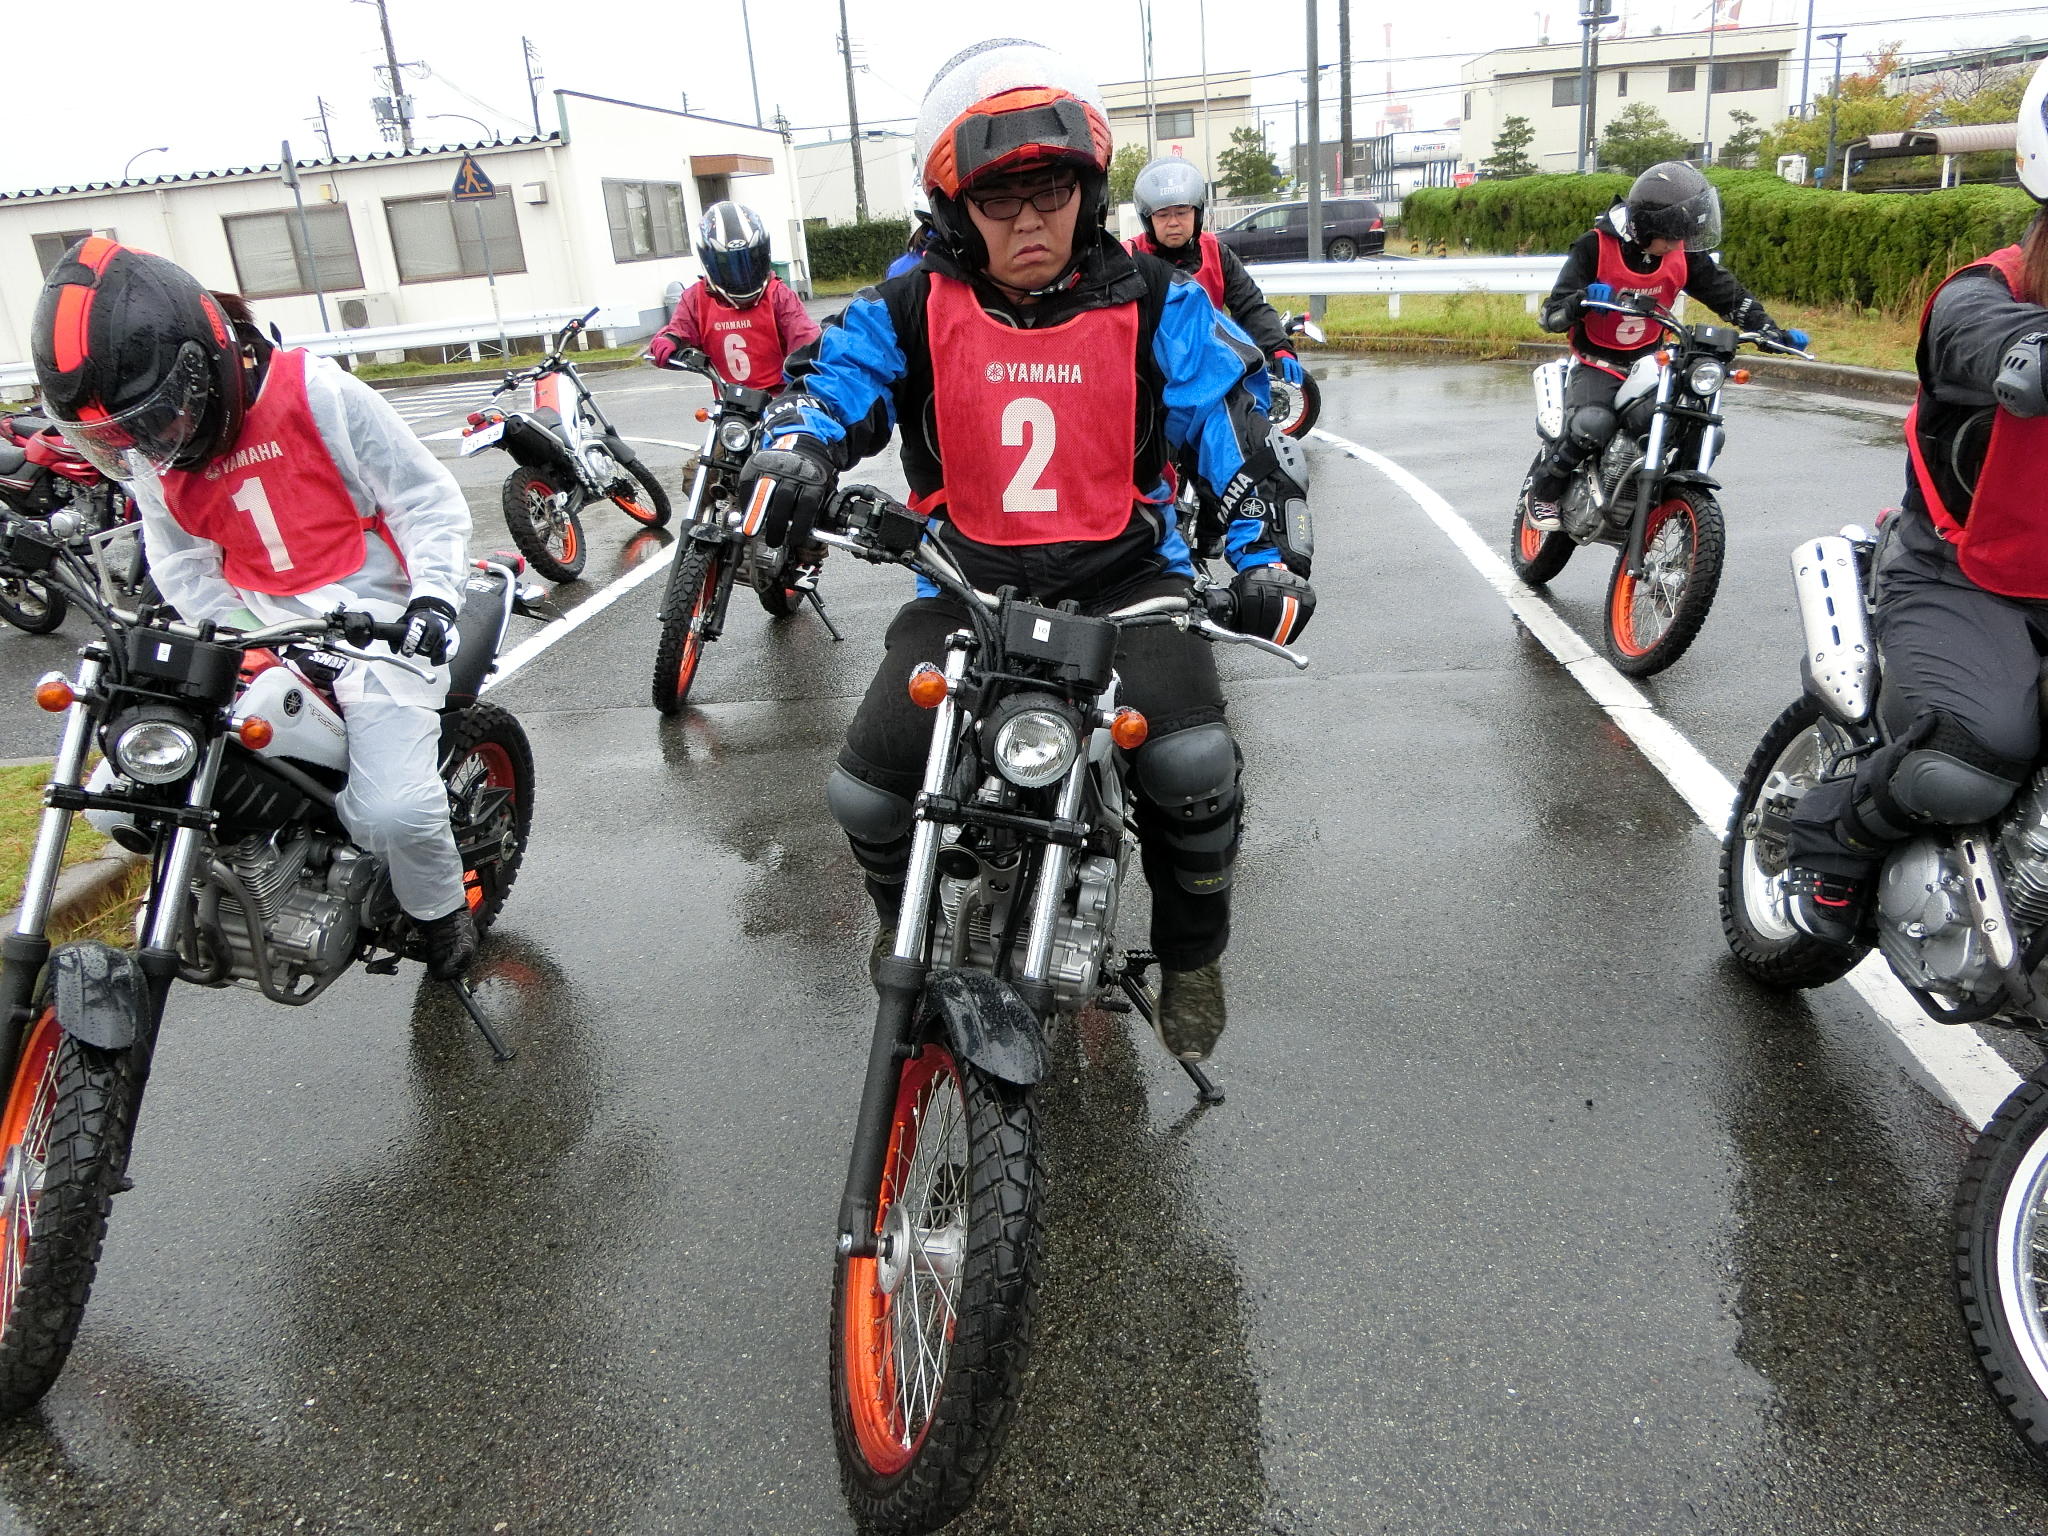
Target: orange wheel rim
<point x="892" y="1406"/>
<point x="24" y="1146"/>
<point x="631" y="507"/>
<point x="493" y="771"/>
<point x="1621" y="609"/>
<point x="693" y="637"/>
<point x="1532" y="540"/>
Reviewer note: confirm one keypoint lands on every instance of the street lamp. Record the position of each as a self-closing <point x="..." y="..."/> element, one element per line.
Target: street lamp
<point x="1593" y="14"/>
<point x="160" y="149"/>
<point x="496" y="136"/>
<point x="1834" y="104"/>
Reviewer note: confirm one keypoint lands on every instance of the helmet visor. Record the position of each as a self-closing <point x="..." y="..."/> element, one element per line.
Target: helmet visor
<point x="154" y="433"/>
<point x="1696" y="221"/>
<point x="741" y="275"/>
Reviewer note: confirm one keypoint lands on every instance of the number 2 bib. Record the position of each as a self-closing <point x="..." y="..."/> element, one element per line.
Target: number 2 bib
<point x="275" y="503"/>
<point x="1037" y="428"/>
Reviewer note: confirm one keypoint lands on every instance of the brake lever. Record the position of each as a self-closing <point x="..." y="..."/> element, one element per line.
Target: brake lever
<point x="1215" y="631"/>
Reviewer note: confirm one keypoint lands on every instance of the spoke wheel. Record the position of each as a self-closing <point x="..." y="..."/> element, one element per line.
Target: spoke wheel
<point x="1296" y="407"/>
<point x="1535" y="555"/>
<point x="931" y="1336"/>
<point x="31" y="604"/>
<point x="2001" y="1259"/>
<point x="686" y="608"/>
<point x="1652" y="619"/>
<point x="640" y="496"/>
<point x="63" y="1145"/>
<point x="487" y="765"/>
<point x="541" y="514"/>
<point x="1786" y="764"/>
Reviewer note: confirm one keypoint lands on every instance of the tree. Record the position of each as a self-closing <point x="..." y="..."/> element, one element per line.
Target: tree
<point x="1508" y="158"/>
<point x="1123" y="173"/>
<point x="1247" y="168"/>
<point x="1742" y="143"/>
<point x="1637" y="138"/>
<point x="1863" y="108"/>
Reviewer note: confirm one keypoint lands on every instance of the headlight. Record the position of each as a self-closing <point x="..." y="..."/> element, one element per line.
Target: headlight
<point x="1036" y="747"/>
<point x="156" y="752"/>
<point x="1705" y="376"/>
<point x="737" y="436"/>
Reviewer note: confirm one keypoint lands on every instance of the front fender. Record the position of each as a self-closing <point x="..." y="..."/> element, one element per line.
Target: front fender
<point x="985" y="1022"/>
<point x="101" y="994"/>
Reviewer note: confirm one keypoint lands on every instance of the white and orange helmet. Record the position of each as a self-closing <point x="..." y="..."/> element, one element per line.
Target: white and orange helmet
<point x="2031" y="146"/>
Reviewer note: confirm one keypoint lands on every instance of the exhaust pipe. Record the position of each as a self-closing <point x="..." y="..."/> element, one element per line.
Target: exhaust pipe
<point x="1839" y="666"/>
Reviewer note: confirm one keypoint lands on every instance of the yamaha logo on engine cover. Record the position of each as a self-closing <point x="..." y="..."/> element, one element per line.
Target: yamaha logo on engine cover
<point x="293" y="703"/>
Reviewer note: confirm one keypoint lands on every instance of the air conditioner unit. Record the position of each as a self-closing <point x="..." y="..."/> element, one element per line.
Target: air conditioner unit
<point x="533" y="192"/>
<point x="366" y="311"/>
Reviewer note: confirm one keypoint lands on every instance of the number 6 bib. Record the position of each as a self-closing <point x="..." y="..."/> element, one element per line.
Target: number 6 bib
<point x="1037" y="428"/>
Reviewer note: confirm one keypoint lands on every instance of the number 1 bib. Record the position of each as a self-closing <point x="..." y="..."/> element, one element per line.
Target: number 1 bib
<point x="275" y="503"/>
<point x="1037" y="428"/>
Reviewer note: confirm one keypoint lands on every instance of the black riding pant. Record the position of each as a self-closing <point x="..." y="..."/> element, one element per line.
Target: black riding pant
<point x="1589" y="424"/>
<point x="1166" y="674"/>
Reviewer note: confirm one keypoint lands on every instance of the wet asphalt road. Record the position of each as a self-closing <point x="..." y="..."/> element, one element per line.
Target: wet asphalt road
<point x="1526" y="1212"/>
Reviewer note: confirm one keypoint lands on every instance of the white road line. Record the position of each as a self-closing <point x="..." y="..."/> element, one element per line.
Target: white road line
<point x="542" y="639"/>
<point x="1950" y="1059"/>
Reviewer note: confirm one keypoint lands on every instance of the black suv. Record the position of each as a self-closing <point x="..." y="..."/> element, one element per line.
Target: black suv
<point x="1279" y="232"/>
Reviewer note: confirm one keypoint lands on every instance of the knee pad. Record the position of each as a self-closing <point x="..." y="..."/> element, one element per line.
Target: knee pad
<point x="1191" y="803"/>
<point x="1942" y="774"/>
<point x="875" y="821"/>
<point x="1590" y="428"/>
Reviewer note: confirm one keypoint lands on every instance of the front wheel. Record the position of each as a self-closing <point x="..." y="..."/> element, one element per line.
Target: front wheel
<point x="541" y="507"/>
<point x="640" y="496"/>
<point x="1652" y="618"/>
<point x="69" y="1115"/>
<point x="487" y="764"/>
<point x="1536" y="556"/>
<point x="930" y="1337"/>
<point x="31" y="604"/>
<point x="686" y="608"/>
<point x="2001" y="1258"/>
<point x="1296" y="407"/>
<point x="1343" y="248"/>
<point x="1790" y="760"/>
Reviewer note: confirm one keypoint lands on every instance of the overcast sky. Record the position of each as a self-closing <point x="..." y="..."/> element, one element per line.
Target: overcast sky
<point x="224" y="93"/>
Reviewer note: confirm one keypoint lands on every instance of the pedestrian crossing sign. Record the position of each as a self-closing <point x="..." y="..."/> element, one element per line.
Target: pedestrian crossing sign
<point x="471" y="184"/>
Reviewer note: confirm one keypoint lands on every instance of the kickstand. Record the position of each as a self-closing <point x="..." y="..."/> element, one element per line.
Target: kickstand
<point x="460" y="987"/>
<point x="825" y="618"/>
<point x="1206" y="1090"/>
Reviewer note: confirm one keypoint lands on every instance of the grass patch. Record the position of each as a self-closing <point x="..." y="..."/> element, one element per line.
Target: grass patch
<point x="839" y="287"/>
<point x="1490" y="324"/>
<point x="493" y="364"/>
<point x="21" y="808"/>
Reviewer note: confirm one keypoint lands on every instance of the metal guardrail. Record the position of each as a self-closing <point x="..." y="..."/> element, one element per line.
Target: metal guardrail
<point x="1531" y="275"/>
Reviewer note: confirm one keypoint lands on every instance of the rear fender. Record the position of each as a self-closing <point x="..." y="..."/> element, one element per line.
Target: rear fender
<point x="985" y="1022"/>
<point x="101" y="994"/>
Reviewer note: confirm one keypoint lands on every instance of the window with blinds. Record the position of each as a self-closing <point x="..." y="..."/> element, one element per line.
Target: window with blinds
<point x="647" y="219"/>
<point x="271" y="261"/>
<point x="435" y="238"/>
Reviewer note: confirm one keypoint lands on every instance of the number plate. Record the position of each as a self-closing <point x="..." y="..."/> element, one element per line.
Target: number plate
<point x="482" y="438"/>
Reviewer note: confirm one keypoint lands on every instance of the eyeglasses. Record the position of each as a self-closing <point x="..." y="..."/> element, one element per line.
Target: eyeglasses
<point x="1050" y="200"/>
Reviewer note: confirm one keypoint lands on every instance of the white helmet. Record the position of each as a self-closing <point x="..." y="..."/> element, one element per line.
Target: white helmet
<point x="2030" y="150"/>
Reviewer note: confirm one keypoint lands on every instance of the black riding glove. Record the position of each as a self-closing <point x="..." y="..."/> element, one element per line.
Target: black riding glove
<point x="785" y="484"/>
<point x="429" y="627"/>
<point x="1272" y="603"/>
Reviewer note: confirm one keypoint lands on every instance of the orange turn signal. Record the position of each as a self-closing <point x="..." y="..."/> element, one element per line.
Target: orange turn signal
<point x="255" y="733"/>
<point x="1740" y="375"/>
<point x="55" y="694"/>
<point x="927" y="686"/>
<point x="703" y="414"/>
<point x="1663" y="359"/>
<point x="1128" y="729"/>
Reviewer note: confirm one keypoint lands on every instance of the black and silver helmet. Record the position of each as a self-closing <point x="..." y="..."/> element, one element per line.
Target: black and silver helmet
<point x="732" y="247"/>
<point x="1673" y="201"/>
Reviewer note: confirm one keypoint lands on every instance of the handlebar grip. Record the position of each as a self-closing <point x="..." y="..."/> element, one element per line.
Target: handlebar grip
<point x="1798" y="339"/>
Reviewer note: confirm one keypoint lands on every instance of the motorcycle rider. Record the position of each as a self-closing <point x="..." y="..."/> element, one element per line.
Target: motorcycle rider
<point x="1022" y="281"/>
<point x="1171" y="196"/>
<point x="1655" y="243"/>
<point x="274" y="486"/>
<point x="1962" y="595"/>
<point x="739" y="314"/>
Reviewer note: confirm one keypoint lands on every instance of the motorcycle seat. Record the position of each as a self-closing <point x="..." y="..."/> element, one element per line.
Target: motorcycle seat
<point x="28" y="426"/>
<point x="11" y="459"/>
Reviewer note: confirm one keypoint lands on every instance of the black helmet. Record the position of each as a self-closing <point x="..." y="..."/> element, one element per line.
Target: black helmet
<point x="136" y="361"/>
<point x="732" y="247"/>
<point x="1673" y="201"/>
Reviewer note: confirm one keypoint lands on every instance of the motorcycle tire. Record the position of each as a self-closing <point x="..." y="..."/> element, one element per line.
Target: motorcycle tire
<point x="32" y="605"/>
<point x="1759" y="931"/>
<point x="647" y="504"/>
<point x="551" y="540"/>
<point x="780" y="602"/>
<point x="1652" y="620"/>
<point x="686" y="605"/>
<point x="962" y="1181"/>
<point x="1535" y="555"/>
<point x="2001" y="1258"/>
<point x="69" y="1115"/>
<point x="1296" y="407"/>
<point x="487" y="764"/>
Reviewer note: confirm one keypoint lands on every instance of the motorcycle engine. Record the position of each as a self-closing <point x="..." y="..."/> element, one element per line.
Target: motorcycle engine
<point x="599" y="464"/>
<point x="1621" y="454"/>
<point x="975" y="910"/>
<point x="2023" y="855"/>
<point x="305" y="892"/>
<point x="1924" y="923"/>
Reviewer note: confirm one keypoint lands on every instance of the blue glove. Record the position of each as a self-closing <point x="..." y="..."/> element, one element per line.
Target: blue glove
<point x="1600" y="293"/>
<point x="1797" y="338"/>
<point x="1289" y="366"/>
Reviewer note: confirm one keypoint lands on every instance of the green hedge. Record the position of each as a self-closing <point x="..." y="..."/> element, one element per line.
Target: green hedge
<point x="1785" y="242"/>
<point x="841" y="251"/>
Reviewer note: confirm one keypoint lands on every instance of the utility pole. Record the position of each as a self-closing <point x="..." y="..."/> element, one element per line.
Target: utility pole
<point x="398" y="111"/>
<point x="291" y="179"/>
<point x="1315" y="159"/>
<point x="1151" y="102"/>
<point x="752" y="79"/>
<point x="1834" y="105"/>
<point x="1806" y="68"/>
<point x="1208" y="144"/>
<point x="1707" y="121"/>
<point x="1344" y="85"/>
<point x="326" y="138"/>
<point x="860" y="180"/>
<point x="533" y="79"/>
<point x="1593" y="15"/>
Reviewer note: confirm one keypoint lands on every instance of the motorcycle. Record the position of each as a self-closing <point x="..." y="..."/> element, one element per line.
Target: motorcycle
<point x="224" y="755"/>
<point x="569" y="458"/>
<point x="1960" y="917"/>
<point x="723" y="545"/>
<point x="1296" y="407"/>
<point x="1024" y="830"/>
<point x="43" y="477"/>
<point x="1650" y="492"/>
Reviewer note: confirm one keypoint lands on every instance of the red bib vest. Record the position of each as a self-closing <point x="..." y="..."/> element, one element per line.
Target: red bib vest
<point x="1209" y="274"/>
<point x="744" y="345"/>
<point x="1037" y="428"/>
<point x="275" y="503"/>
<point x="1632" y="333"/>
<point x="2003" y="546"/>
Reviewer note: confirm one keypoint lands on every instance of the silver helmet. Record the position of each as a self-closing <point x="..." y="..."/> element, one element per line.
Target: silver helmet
<point x="1169" y="183"/>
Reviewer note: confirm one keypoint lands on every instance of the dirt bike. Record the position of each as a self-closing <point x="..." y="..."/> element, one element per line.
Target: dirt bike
<point x="44" y="478"/>
<point x="722" y="544"/>
<point x="1960" y="916"/>
<point x="1650" y="492"/>
<point x="224" y="754"/>
<point x="569" y="457"/>
<point x="1024" y="831"/>
<point x="1296" y="407"/>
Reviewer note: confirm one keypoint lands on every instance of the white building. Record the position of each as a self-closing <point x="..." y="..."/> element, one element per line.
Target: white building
<point x="1696" y="80"/>
<point x="824" y="174"/>
<point x="1192" y="123"/>
<point x="601" y="212"/>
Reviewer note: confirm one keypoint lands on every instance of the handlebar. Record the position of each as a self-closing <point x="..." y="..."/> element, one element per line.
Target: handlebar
<point x="1671" y="322"/>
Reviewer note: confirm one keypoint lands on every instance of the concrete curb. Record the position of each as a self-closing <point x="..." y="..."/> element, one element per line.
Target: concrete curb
<point x="85" y="887"/>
